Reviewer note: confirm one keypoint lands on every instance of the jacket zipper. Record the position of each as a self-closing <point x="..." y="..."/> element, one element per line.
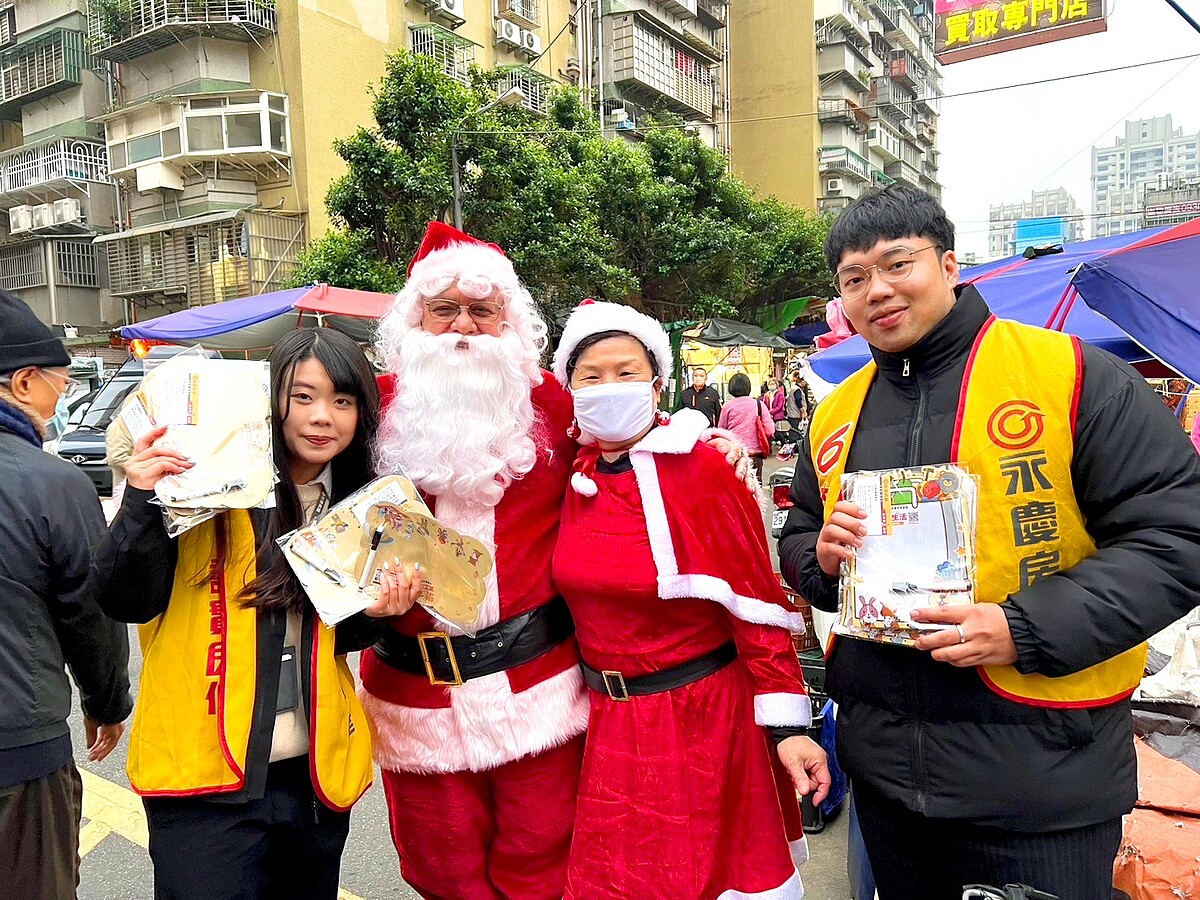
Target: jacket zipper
<point x="914" y="445"/>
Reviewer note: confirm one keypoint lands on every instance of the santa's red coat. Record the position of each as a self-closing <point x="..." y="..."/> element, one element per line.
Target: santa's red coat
<point x="499" y="718"/>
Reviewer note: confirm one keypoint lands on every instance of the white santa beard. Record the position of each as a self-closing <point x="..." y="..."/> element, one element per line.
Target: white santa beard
<point x="462" y="420"/>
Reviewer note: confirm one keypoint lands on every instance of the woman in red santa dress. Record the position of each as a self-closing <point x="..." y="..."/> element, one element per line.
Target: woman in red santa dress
<point x="684" y="634"/>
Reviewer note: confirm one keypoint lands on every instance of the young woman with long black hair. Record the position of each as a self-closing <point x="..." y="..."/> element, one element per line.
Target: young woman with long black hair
<point x="248" y="744"/>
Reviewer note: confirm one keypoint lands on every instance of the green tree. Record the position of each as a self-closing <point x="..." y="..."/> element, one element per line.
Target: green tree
<point x="660" y="225"/>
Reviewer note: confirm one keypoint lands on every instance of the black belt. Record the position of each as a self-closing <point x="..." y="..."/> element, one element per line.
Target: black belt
<point x="618" y="687"/>
<point x="447" y="660"/>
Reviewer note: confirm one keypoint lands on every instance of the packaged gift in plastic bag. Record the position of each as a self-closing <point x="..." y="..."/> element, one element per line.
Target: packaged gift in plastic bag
<point x="218" y="415"/>
<point x="337" y="559"/>
<point x="919" y="550"/>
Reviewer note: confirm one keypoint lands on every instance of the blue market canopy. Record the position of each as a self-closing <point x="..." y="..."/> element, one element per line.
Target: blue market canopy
<point x="257" y="322"/>
<point x="1036" y="291"/>
<point x="1149" y="289"/>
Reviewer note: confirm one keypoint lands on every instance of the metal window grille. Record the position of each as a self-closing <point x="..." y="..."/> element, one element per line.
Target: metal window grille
<point x="522" y="9"/>
<point x="206" y="263"/>
<point x="646" y="56"/>
<point x="8" y="25"/>
<point x="43" y="65"/>
<point x="454" y="53"/>
<point x="76" y="263"/>
<point x="22" y="266"/>
<point x="532" y="83"/>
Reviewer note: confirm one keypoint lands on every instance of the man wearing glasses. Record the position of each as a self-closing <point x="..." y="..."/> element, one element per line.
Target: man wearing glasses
<point x="1000" y="750"/>
<point x="49" y="518"/>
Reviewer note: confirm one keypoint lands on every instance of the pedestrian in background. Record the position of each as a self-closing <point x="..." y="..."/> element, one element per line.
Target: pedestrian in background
<point x="249" y="745"/>
<point x="50" y="518"/>
<point x="750" y="420"/>
<point x="702" y="396"/>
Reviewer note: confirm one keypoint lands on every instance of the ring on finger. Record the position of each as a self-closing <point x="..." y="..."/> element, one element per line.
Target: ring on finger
<point x="962" y="634"/>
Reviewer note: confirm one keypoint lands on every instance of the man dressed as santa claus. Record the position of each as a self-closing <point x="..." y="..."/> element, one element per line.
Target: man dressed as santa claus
<point x="479" y="738"/>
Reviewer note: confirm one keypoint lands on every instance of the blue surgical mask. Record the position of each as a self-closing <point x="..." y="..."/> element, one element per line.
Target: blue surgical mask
<point x="57" y="423"/>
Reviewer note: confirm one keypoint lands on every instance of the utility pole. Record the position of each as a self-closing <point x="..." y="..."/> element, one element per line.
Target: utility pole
<point x="1175" y="6"/>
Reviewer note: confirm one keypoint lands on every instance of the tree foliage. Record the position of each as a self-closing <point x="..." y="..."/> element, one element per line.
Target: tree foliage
<point x="659" y="224"/>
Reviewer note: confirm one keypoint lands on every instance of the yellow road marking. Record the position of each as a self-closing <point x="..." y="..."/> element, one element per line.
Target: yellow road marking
<point x="113" y="809"/>
<point x="117" y="808"/>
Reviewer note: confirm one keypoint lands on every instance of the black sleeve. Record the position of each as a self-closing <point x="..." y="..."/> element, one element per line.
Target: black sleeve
<point x="358" y="632"/>
<point x="134" y="567"/>
<point x="683" y="399"/>
<point x="798" y="540"/>
<point x="96" y="648"/>
<point x="1137" y="481"/>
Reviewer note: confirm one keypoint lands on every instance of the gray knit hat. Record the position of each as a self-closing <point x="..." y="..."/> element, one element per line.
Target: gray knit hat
<point x="25" y="340"/>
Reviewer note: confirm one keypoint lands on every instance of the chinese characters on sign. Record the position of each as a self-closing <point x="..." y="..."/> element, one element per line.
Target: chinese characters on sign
<point x="1035" y="521"/>
<point x="970" y="28"/>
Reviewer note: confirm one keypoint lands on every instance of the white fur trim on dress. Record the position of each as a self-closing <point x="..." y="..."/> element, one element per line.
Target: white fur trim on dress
<point x="486" y="725"/>
<point x="792" y="889"/>
<point x="675" y="586"/>
<point x="592" y="318"/>
<point x="799" y="851"/>
<point x="782" y="709"/>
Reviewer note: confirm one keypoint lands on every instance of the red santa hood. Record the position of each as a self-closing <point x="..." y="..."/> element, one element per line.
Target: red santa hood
<point x="688" y="502"/>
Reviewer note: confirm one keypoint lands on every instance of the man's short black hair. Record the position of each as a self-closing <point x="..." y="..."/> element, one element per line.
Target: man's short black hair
<point x="895" y="212"/>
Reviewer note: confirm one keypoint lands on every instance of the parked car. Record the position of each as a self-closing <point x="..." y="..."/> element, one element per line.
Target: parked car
<point x="84" y="445"/>
<point x="780" y="485"/>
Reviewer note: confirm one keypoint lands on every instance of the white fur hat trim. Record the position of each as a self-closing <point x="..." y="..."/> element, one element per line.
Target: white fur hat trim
<point x="592" y="317"/>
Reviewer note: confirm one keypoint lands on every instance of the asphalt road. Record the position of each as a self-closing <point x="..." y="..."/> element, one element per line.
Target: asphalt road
<point x="116" y="865"/>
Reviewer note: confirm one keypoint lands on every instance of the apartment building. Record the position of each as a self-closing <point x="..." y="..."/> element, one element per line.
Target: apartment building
<point x="1122" y="173"/>
<point x="54" y="193"/>
<point x="1050" y="216"/>
<point x="880" y="97"/>
<point x="773" y="77"/>
<point x="221" y="117"/>
<point x="1171" y="200"/>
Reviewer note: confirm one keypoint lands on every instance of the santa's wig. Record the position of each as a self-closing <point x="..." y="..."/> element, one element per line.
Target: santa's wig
<point x="448" y="257"/>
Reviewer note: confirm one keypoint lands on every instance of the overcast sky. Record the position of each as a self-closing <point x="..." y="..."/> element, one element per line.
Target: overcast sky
<point x="999" y="146"/>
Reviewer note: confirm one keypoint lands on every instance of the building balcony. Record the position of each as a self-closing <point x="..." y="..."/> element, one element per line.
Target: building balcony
<point x="903" y="69"/>
<point x="683" y="9"/>
<point x="8" y="22"/>
<point x="836" y="109"/>
<point x="888" y="96"/>
<point x="43" y="172"/>
<point x="120" y="31"/>
<point x="522" y="13"/>
<point x="41" y="66"/>
<point x="652" y="67"/>
<point x="929" y="169"/>
<point x="885" y="141"/>
<point x="847" y="61"/>
<point x="881" y="179"/>
<point x="903" y="31"/>
<point x="534" y="86"/>
<point x="847" y="18"/>
<point x="204" y="259"/>
<point x="453" y="52"/>
<point x="888" y="11"/>
<point x="926" y="131"/>
<point x="713" y="13"/>
<point x="902" y="171"/>
<point x="702" y="40"/>
<point x="842" y="160"/>
<point x="248" y="129"/>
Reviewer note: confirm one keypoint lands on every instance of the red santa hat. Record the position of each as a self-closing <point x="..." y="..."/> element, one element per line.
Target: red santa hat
<point x="447" y="251"/>
<point x="592" y="317"/>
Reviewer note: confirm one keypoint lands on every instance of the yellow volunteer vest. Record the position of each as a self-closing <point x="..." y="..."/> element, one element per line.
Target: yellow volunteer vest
<point x="1015" y="430"/>
<point x="191" y="728"/>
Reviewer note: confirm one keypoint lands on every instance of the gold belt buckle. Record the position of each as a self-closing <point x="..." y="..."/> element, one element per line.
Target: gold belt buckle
<point x="615" y="680"/>
<point x="445" y="639"/>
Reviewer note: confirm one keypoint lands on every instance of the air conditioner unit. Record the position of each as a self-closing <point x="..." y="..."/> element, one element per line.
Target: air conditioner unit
<point x="834" y="185"/>
<point x="20" y="219"/>
<point x="67" y="211"/>
<point x="43" y="215"/>
<point x="508" y="33"/>
<point x="531" y="43"/>
<point x="454" y="11"/>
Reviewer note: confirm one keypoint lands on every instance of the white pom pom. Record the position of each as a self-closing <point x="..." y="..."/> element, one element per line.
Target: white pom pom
<point x="583" y="485"/>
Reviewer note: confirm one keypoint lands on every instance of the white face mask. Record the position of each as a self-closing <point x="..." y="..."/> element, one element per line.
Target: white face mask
<point x="615" y="413"/>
